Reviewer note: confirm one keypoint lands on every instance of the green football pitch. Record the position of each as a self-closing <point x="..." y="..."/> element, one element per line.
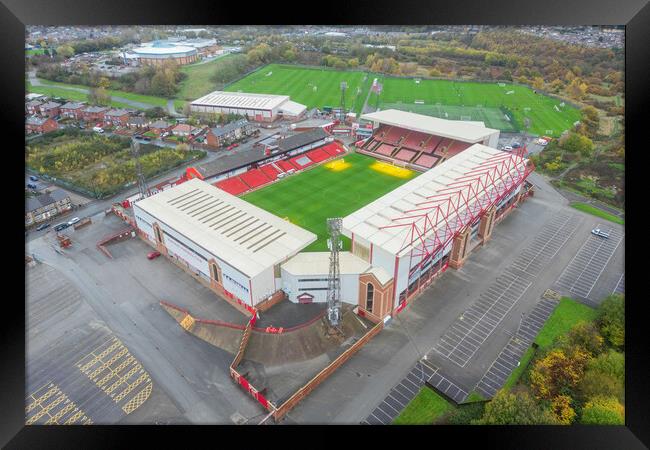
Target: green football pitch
<point x="313" y="87"/>
<point x="333" y="189"/>
<point x="455" y="100"/>
<point x="479" y="101"/>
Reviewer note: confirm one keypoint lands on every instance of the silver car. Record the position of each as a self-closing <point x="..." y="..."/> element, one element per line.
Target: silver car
<point x="599" y="232"/>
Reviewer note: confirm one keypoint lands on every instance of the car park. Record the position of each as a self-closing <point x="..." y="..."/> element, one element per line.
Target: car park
<point x="42" y="226"/>
<point x="599" y="232"/>
<point x="153" y="255"/>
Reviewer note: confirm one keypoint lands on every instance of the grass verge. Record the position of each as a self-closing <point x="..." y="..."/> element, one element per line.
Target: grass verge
<point x="425" y="408"/>
<point x="567" y="313"/>
<point x="589" y="209"/>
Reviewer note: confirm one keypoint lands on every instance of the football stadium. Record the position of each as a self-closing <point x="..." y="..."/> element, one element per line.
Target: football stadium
<point x="256" y="229"/>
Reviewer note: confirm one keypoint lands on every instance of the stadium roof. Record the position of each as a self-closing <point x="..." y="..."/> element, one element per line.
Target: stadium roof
<point x="241" y="100"/>
<point x="318" y="263"/>
<point x="380" y="222"/>
<point x="452" y="129"/>
<point x="163" y="49"/>
<point x="302" y="139"/>
<point x="245" y="236"/>
<point x="292" y="108"/>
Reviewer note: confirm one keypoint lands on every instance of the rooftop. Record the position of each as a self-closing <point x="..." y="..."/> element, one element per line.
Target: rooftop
<point x="301" y="139"/>
<point x="376" y="222"/>
<point x="34" y="203"/>
<point x="314" y="263"/>
<point x="452" y="129"/>
<point x="241" y="100"/>
<point x="220" y="131"/>
<point x="249" y="238"/>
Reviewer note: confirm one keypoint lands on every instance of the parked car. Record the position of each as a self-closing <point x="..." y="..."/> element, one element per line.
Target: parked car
<point x="73" y="221"/>
<point x="507" y="147"/>
<point x="516" y="145"/>
<point x="146" y="138"/>
<point x="599" y="232"/>
<point x="61" y="226"/>
<point x="98" y="129"/>
<point x="42" y="226"/>
<point x="153" y="255"/>
<point x="31" y="186"/>
<point x="33" y="178"/>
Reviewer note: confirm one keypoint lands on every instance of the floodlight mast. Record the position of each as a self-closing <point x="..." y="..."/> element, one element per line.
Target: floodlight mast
<point x="142" y="184"/>
<point x="344" y="86"/>
<point x="334" y="279"/>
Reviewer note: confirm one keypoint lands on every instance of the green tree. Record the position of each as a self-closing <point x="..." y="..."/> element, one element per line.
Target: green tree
<point x="611" y="363"/>
<point x="611" y="319"/>
<point x="596" y="383"/>
<point x="577" y="143"/>
<point x="65" y="50"/>
<point x="518" y="408"/>
<point x="585" y="335"/>
<point x="602" y="410"/>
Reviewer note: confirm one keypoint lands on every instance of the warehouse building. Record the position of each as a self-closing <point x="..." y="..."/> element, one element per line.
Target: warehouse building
<point x="256" y="107"/>
<point x="234" y="247"/>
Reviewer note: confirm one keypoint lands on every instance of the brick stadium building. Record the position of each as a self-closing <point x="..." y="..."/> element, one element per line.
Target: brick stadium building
<point x="421" y="142"/>
<point x="255" y="107"/>
<point x="158" y="53"/>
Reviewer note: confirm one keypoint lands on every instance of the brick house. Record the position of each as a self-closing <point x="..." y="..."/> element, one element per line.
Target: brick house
<point x="116" y="117"/>
<point x="49" y="109"/>
<point x="160" y="126"/>
<point x="216" y="137"/>
<point x="138" y="123"/>
<point x="41" y="208"/>
<point x="40" y="125"/>
<point x="33" y="106"/>
<point x="72" y="110"/>
<point x="93" y="113"/>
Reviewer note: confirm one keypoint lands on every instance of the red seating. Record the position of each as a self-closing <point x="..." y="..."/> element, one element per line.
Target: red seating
<point x="385" y="149"/>
<point x="318" y="155"/>
<point x="254" y="178"/>
<point x="270" y="172"/>
<point x="333" y="149"/>
<point x="285" y="165"/>
<point x="431" y="144"/>
<point x="405" y="155"/>
<point x="232" y="185"/>
<point x="426" y="160"/>
<point x="301" y="161"/>
<point x="456" y="147"/>
<point x="414" y="139"/>
<point x="394" y="134"/>
<point x="445" y="143"/>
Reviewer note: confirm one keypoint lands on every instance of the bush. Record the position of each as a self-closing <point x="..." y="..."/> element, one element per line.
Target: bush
<point x="595" y="383"/>
<point x="603" y="411"/>
<point x="514" y="409"/>
<point x="611" y="320"/>
<point x="585" y="335"/>
<point x="465" y="414"/>
<point x="611" y="363"/>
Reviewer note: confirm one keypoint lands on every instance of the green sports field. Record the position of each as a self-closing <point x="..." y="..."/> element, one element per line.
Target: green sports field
<point x="313" y="87"/>
<point x="310" y="197"/>
<point x="545" y="113"/>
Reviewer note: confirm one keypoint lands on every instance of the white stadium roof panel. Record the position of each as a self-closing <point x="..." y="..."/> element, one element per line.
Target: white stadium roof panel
<point x="247" y="237"/>
<point x="452" y="129"/>
<point x="368" y="221"/>
<point x="241" y="100"/>
<point x="318" y="263"/>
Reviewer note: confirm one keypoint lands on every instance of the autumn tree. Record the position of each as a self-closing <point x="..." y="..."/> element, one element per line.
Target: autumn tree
<point x="591" y="120"/>
<point x="562" y="410"/>
<point x="538" y="83"/>
<point x="585" y="335"/>
<point x="594" y="383"/>
<point x="65" y="50"/>
<point x="603" y="410"/>
<point x="577" y="143"/>
<point x="558" y="372"/>
<point x="518" y="408"/>
<point x="99" y="96"/>
<point x="611" y="319"/>
<point x="577" y="88"/>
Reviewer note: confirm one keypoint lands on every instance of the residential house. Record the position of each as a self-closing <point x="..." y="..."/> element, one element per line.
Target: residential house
<point x="33" y="106"/>
<point x="93" y="113"/>
<point x="216" y="137"/>
<point x="160" y="126"/>
<point x="116" y="117"/>
<point x="50" y="109"/>
<point x="185" y="130"/>
<point x="45" y="206"/>
<point x="138" y="122"/>
<point x="40" y="125"/>
<point x="72" y="110"/>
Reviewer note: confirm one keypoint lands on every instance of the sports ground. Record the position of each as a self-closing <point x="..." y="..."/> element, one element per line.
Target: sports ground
<point x="334" y="189"/>
<point x="313" y="87"/>
<point x="455" y="100"/>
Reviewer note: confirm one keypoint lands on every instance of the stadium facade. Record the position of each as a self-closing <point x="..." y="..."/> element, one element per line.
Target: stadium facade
<point x="160" y="52"/>
<point x="256" y="107"/>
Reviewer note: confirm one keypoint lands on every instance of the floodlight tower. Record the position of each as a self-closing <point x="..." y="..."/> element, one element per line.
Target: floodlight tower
<point x="142" y="184"/>
<point x="344" y="86"/>
<point x="334" y="244"/>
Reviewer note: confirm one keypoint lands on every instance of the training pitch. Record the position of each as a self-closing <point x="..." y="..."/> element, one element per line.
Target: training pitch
<point x="333" y="189"/>
<point x="313" y="87"/>
<point x="503" y="106"/>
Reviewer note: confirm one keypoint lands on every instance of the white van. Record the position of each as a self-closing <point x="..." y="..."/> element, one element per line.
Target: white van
<point x="98" y="129"/>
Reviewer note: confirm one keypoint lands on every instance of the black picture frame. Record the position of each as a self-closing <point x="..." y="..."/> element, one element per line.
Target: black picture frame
<point x="634" y="14"/>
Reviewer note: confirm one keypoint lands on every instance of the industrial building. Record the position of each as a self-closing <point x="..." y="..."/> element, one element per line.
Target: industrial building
<point x="256" y="107"/>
